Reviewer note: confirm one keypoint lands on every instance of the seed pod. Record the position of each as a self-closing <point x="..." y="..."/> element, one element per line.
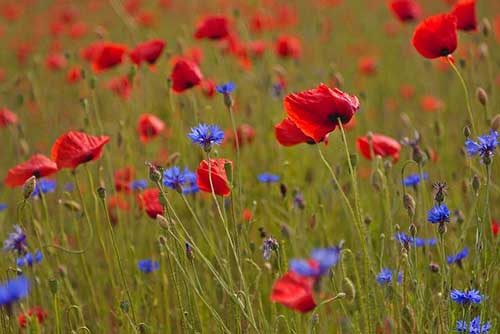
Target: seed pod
<point x="482" y="96"/>
<point x="349" y="289"/>
<point x="413" y="230"/>
<point x="476" y="183"/>
<point x="53" y="285"/>
<point x="409" y="203"/>
<point x="495" y="122"/>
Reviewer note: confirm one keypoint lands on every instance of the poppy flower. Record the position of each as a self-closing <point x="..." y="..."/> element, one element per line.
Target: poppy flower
<point x="383" y="146"/>
<point x="288" y="134"/>
<point x="367" y="65"/>
<point x="122" y="179"/>
<point x="149" y="126"/>
<point x="115" y="203"/>
<point x="7" y="118"/>
<point x="295" y="292"/>
<point x="430" y="103"/>
<point x="208" y="87"/>
<point x="91" y="52"/>
<point x="288" y="47"/>
<point x="212" y="27"/>
<point x="405" y="10"/>
<point x="245" y="134"/>
<point x="218" y="176"/>
<point x="185" y="75"/>
<point x="36" y="311"/>
<point x="465" y="11"/>
<point x="149" y="201"/>
<point x="406" y="91"/>
<point x="148" y="51"/>
<point x="55" y="61"/>
<point x="495" y="227"/>
<point x="194" y="54"/>
<point x="436" y="36"/>
<point x="316" y="112"/>
<point x="38" y="165"/>
<point x="256" y="48"/>
<point x="78" y="30"/>
<point x="108" y="55"/>
<point x="74" y="148"/>
<point x="146" y="18"/>
<point x="121" y="86"/>
<point x="74" y="75"/>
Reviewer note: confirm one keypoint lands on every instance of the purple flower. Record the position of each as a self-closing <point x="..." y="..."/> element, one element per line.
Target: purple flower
<point x="16" y="241"/>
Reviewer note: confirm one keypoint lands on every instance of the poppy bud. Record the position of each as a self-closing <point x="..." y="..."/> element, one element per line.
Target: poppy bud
<point x="155" y="175"/>
<point x="101" y="192"/>
<point x="53" y="285"/>
<point x="495" y="122"/>
<point x="442" y="228"/>
<point x="485" y="27"/>
<point x="228" y="100"/>
<point x="482" y="96"/>
<point x="29" y="187"/>
<point x="476" y="183"/>
<point x="413" y="230"/>
<point x="466" y="131"/>
<point x="409" y="204"/>
<point x="164" y="222"/>
<point x="349" y="289"/>
<point x="93" y="82"/>
<point x="418" y="155"/>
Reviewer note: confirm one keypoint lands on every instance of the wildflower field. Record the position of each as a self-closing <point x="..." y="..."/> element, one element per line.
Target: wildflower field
<point x="249" y="166"/>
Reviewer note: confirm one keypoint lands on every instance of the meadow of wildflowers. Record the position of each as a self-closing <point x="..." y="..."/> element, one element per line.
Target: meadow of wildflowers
<point x="263" y="166"/>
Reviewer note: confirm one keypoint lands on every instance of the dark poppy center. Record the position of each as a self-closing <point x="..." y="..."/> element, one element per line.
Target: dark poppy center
<point x="36" y="173"/>
<point x="445" y="52"/>
<point x="334" y="118"/>
<point x="88" y="158"/>
<point x="188" y="84"/>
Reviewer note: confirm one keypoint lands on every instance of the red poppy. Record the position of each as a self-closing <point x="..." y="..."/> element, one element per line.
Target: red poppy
<point x="185" y="75"/>
<point x="132" y="6"/>
<point x="430" y="103"/>
<point x="406" y="91"/>
<point x="367" y="65"/>
<point x="38" y="165"/>
<point x="108" y="55"/>
<point x="148" y="51"/>
<point x="495" y="227"/>
<point x="194" y="54"/>
<point x="247" y="214"/>
<point x="405" y="10"/>
<point x="123" y="177"/>
<point x="436" y="36"/>
<point x="381" y="145"/>
<point x="218" y="176"/>
<point x="245" y="134"/>
<point x="257" y="48"/>
<point x="91" y="52"/>
<point x="295" y="292"/>
<point x="212" y="27"/>
<point x="149" y="201"/>
<point x="78" y="30"/>
<point x="148" y="127"/>
<point x="316" y="112"/>
<point x="7" y="118"/>
<point x="208" y="87"/>
<point x="146" y="18"/>
<point x="288" y="134"/>
<point x="288" y="47"/>
<point x="121" y="86"/>
<point x="115" y="203"/>
<point x="36" y="311"/>
<point x="74" y="148"/>
<point x="55" y="61"/>
<point x="465" y="11"/>
<point x="74" y="75"/>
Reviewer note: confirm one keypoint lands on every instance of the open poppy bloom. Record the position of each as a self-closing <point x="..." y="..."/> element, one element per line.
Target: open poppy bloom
<point x="245" y="134"/>
<point x="436" y="36"/>
<point x="405" y="10"/>
<point x="430" y="103"/>
<point x="316" y="112"/>
<point x="123" y="177"/>
<point x="295" y="292"/>
<point x="74" y="75"/>
<point x="116" y="203"/>
<point x="74" y="148"/>
<point x="381" y="145"/>
<point x="39" y="313"/>
<point x="288" y="47"/>
<point x="185" y="75"/>
<point x="148" y="52"/>
<point x="218" y="176"/>
<point x="120" y="86"/>
<point x="55" y="61"/>
<point x="495" y="227"/>
<point x="149" y="126"/>
<point x="38" y="165"/>
<point x="149" y="200"/>
<point x="465" y="11"/>
<point x="288" y="134"/>
<point x="208" y="87"/>
<point x="108" y="55"/>
<point x="7" y="118"/>
<point x="212" y="27"/>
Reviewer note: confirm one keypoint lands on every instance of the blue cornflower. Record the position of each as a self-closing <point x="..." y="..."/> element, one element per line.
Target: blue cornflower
<point x="298" y="200"/>
<point x="457" y="258"/>
<point x="484" y="147"/>
<point x="45" y="186"/>
<point x="226" y="88"/>
<point x="191" y="184"/>
<point x="474" y="327"/>
<point x="417" y="242"/>
<point x="3" y="206"/>
<point x="268" y="178"/>
<point x="173" y="178"/>
<point x="322" y="259"/>
<point x="69" y="187"/>
<point x="466" y="297"/>
<point x="268" y="246"/>
<point x="139" y="184"/>
<point x="438" y="214"/>
<point x="14" y="290"/>
<point x="413" y="180"/>
<point x="29" y="259"/>
<point x="206" y="136"/>
<point x="148" y="265"/>
<point x="385" y="276"/>
<point x="16" y="241"/>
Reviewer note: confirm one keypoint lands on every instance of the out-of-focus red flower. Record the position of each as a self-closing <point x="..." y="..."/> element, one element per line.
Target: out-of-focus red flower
<point x="245" y="134"/>
<point x="90" y="52"/>
<point x="121" y="86"/>
<point x="68" y="14"/>
<point x="257" y="48"/>
<point x="56" y="28"/>
<point x="108" y="55"/>
<point x="405" y="10"/>
<point x="286" y="16"/>
<point x="78" y="30"/>
<point x="208" y="87"/>
<point x="316" y="112"/>
<point x="23" y="51"/>
<point x="7" y="118"/>
<point x="115" y="203"/>
<point x="247" y="214"/>
<point x="148" y="52"/>
<point x="407" y="91"/>
<point x="132" y="6"/>
<point x="367" y="65"/>
<point x="212" y="27"/>
<point x="217" y="174"/>
<point x="149" y="201"/>
<point x="36" y="311"/>
<point x="294" y="292"/>
<point x="185" y="75"/>
<point x="146" y="19"/>
<point x="74" y="148"/>
<point x="430" y="103"/>
<point x="288" y="47"/>
<point x="194" y="54"/>
<point x="436" y="36"/>
<point x="465" y="11"/>
<point x="149" y="127"/>
<point x="11" y="11"/>
<point x="496" y="27"/>
<point x="38" y="165"/>
<point x="74" y="75"/>
<point x="288" y="134"/>
<point x="123" y="177"/>
<point x="260" y="22"/>
<point x="495" y="227"/>
<point x="381" y="145"/>
<point x="55" y="61"/>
